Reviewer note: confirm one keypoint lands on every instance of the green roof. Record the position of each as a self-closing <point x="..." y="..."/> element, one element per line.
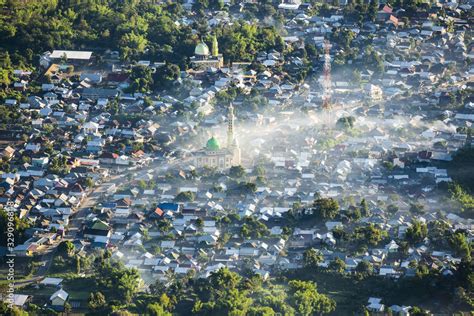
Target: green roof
<point x="212" y="144"/>
<point x="201" y="49"/>
<point x="100" y="225"/>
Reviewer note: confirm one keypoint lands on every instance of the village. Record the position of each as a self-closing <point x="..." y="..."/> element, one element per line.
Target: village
<point x="240" y="165"/>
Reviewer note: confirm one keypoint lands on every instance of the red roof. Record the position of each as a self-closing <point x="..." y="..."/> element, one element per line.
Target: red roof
<point x="138" y="153"/>
<point x="394" y="20"/>
<point x="159" y="211"/>
<point x="387" y="9"/>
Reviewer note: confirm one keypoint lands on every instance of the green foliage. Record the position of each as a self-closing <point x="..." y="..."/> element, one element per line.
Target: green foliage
<point x="417" y="232"/>
<point x="156" y="309"/>
<point x="337" y="265"/>
<point x="58" y="165"/>
<point x="135" y="28"/>
<point x="325" y="208"/>
<point x="97" y="301"/>
<point x="19" y="227"/>
<point x="306" y="299"/>
<point x="140" y="79"/>
<point x="236" y="171"/>
<point x="253" y="228"/>
<point x="344" y="37"/>
<point x="10" y="115"/>
<point x="117" y="281"/>
<point x="89" y="183"/>
<point x="418" y="311"/>
<point x="311" y="258"/>
<point x="364" y="269"/>
<point x="226" y="293"/>
<point x="463" y="197"/>
<point x="364" y="208"/>
<point x="7" y="311"/>
<point x="345" y="122"/>
<point x="369" y="235"/>
<point x="166" y="75"/>
<point x="66" y="248"/>
<point x="242" y="188"/>
<point x="242" y="41"/>
<point x="417" y="208"/>
<point x="186" y="196"/>
<point x="461" y="246"/>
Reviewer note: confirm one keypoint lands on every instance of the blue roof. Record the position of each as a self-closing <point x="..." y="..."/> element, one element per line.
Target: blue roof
<point x="169" y="206"/>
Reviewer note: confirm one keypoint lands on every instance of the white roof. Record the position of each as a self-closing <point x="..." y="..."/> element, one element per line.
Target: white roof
<point x="19" y="299"/>
<point x="71" y="54"/>
<point x="51" y="281"/>
<point x="61" y="294"/>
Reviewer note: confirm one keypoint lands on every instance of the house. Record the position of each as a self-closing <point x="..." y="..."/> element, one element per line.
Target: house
<point x="58" y="299"/>
<point x="75" y="57"/>
<point x="375" y="305"/>
<point x="8" y="152"/>
<point x="97" y="230"/>
<point x="20" y="300"/>
<point x="51" y="282"/>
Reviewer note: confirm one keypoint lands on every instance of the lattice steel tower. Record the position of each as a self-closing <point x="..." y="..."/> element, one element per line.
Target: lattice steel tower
<point x="327" y="76"/>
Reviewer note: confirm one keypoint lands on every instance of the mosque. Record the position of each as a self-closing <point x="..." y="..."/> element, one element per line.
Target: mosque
<point x="214" y="156"/>
<point x="204" y="59"/>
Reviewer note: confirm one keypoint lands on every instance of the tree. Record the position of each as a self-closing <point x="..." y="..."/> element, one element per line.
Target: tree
<point x="225" y="296"/>
<point x="312" y="258"/>
<point x="58" y="165"/>
<point x="337" y="265"/>
<point x="166" y="75"/>
<point x="132" y="44"/>
<point x="186" y="196"/>
<point x="97" y="301"/>
<point x="325" y="208"/>
<point x="418" y="311"/>
<point x="369" y="235"/>
<point x="236" y="171"/>
<point x="142" y="184"/>
<point x="373" y="9"/>
<point x="261" y="311"/>
<point x="252" y="228"/>
<point x="306" y="299"/>
<point x="463" y="197"/>
<point x="461" y="246"/>
<point x="364" y="268"/>
<point x="345" y="122"/>
<point x="89" y="183"/>
<point x="15" y="311"/>
<point x="121" y="282"/>
<point x="417" y="208"/>
<point x="364" y="208"/>
<point x="417" y="232"/>
<point x="140" y="79"/>
<point x="78" y="264"/>
<point x="156" y="309"/>
<point x="19" y="227"/>
<point x="66" y="248"/>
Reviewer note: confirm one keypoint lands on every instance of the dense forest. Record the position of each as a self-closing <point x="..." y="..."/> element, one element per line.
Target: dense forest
<point x="135" y="28"/>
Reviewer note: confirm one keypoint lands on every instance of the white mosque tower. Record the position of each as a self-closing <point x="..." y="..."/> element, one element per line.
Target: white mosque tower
<point x="232" y="143"/>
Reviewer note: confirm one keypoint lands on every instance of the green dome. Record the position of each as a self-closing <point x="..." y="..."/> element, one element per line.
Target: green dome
<point x="212" y="144"/>
<point x="201" y="49"/>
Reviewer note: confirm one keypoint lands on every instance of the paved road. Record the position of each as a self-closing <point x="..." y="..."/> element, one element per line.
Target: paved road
<point x="46" y="261"/>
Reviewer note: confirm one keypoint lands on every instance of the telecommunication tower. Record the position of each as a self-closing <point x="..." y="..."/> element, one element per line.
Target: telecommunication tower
<point x="327" y="76"/>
